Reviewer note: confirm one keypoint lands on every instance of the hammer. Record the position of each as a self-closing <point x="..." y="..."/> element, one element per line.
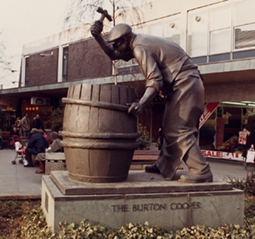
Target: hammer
<point x="104" y="14"/>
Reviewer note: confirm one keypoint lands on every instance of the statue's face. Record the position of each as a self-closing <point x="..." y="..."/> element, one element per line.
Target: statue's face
<point x="121" y="45"/>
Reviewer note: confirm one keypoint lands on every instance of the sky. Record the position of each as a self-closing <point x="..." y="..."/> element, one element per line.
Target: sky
<point x="25" y="21"/>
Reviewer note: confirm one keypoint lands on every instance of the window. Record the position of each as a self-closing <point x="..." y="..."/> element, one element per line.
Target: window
<point x="156" y="29"/>
<point x="197" y="41"/>
<point x="244" y="24"/>
<point x="245" y="36"/>
<point x="244" y="12"/>
<point x="26" y="69"/>
<point x="220" y="31"/>
<point x="169" y="28"/>
<point x="172" y="28"/>
<point x="140" y="30"/>
<point x="65" y="64"/>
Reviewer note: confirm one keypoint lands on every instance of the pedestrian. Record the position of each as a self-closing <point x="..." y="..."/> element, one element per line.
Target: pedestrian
<point x="17" y="124"/>
<point x="25" y="125"/>
<point x="37" y="122"/>
<point x="9" y="123"/>
<point x="44" y="135"/>
<point x="36" y="144"/>
<point x="14" y="132"/>
<point x="250" y="156"/>
<point x="1" y="139"/>
<point x="167" y="68"/>
<point x="54" y="147"/>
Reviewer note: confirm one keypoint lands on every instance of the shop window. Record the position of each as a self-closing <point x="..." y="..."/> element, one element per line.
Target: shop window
<point x="65" y="64"/>
<point x="233" y="122"/>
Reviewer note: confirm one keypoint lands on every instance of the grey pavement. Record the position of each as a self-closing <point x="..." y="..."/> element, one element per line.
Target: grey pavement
<point x="16" y="181"/>
<point x="19" y="182"/>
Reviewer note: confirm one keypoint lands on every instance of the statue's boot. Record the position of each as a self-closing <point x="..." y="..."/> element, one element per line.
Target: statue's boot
<point x="197" y="178"/>
<point x="175" y="164"/>
<point x="171" y="169"/>
<point x="199" y="169"/>
<point x="151" y="168"/>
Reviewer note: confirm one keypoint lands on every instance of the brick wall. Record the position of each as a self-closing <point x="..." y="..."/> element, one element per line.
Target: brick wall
<point x="42" y="70"/>
<point x="85" y="60"/>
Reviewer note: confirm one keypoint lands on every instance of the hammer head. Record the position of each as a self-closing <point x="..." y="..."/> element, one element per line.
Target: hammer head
<point x="104" y="14"/>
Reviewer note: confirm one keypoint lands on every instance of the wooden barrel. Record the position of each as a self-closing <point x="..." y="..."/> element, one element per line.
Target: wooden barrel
<point x="99" y="136"/>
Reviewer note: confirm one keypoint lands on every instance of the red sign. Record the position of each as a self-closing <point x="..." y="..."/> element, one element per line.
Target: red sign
<point x="242" y="138"/>
<point x="223" y="155"/>
<point x="246" y="131"/>
<point x="208" y="111"/>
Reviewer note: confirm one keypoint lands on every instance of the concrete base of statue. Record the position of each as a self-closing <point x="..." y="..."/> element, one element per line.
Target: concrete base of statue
<point x="142" y="197"/>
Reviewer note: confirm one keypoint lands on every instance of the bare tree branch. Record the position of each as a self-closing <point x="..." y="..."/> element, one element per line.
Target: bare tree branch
<point x="5" y="60"/>
<point x="83" y="11"/>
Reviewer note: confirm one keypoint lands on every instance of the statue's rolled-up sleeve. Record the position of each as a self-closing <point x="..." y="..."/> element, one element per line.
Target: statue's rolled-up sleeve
<point x="149" y="67"/>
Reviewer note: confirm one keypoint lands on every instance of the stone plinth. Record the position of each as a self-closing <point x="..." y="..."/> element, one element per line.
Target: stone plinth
<point x="143" y="197"/>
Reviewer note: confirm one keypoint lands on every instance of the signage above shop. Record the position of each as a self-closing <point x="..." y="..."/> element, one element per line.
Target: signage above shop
<point x="40" y="101"/>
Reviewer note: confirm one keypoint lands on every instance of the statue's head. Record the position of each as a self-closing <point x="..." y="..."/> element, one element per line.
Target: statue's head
<point x="119" y="36"/>
<point x="117" y="32"/>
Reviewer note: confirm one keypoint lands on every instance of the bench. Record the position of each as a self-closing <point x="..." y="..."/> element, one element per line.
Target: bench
<point x="57" y="161"/>
<point x="144" y="157"/>
<point x="54" y="162"/>
<point x="6" y="136"/>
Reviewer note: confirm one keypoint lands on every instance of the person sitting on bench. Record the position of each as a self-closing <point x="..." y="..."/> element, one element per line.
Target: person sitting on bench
<point x="54" y="147"/>
<point x="36" y="144"/>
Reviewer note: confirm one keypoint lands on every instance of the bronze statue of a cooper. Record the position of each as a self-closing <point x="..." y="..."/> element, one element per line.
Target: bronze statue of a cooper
<point x="167" y="68"/>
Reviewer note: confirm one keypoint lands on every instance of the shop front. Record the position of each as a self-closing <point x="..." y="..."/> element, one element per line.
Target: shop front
<point x="229" y="130"/>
